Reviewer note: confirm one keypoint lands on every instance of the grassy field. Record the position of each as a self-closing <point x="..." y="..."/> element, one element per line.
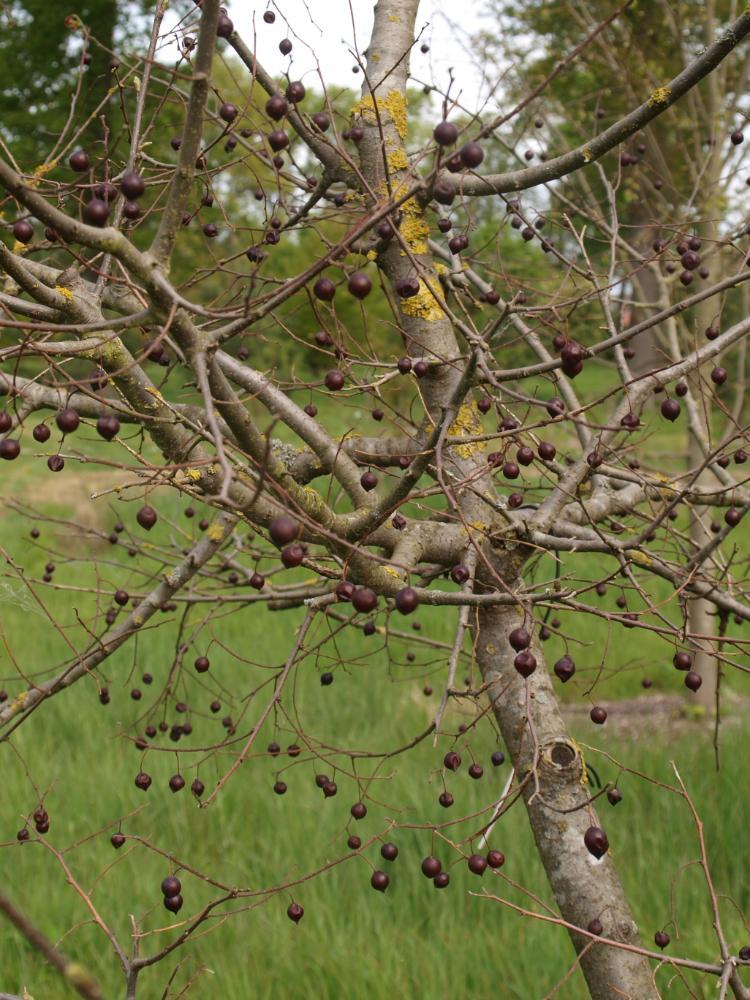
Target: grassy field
<point x="352" y="942"/>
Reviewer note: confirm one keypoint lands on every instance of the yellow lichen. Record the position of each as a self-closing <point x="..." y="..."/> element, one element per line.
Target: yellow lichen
<point x="18" y="702"/>
<point x="151" y="389"/>
<point x="587" y="155"/>
<point x="415" y="231"/>
<point x="372" y="255"/>
<point x="395" y="18"/>
<point x="660" y="96"/>
<point x="468" y="423"/>
<point x="640" y="557"/>
<point x="65" y="292"/>
<point x="397" y="160"/>
<point x="394" y="104"/>
<point x="44" y="168"/>
<point x="479" y="525"/>
<point x="392" y="571"/>
<point x="215" y="532"/>
<point x="441" y="268"/>
<point x="194" y="474"/>
<point x="364" y="108"/>
<point x="424" y="305"/>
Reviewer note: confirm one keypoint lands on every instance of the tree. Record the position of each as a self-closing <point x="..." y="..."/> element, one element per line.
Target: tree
<point x="678" y="168"/>
<point x="498" y="527"/>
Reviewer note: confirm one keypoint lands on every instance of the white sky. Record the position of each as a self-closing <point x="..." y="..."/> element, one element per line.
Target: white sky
<point x="330" y="35"/>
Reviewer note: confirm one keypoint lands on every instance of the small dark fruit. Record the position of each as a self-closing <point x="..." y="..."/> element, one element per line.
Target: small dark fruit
<point x="176" y="783"/>
<point x="431" y="867"/>
<point x="407" y="288"/>
<point x="380" y="881"/>
<point x="733" y="517"/>
<point x="283" y="530"/>
<point x="23" y="231"/>
<point x="497" y="758"/>
<point x="143" y="781"/>
<point x="614" y="795"/>
<point x="389" y="852"/>
<point x="295" y="92"/>
<point x="278" y="140"/>
<point x="224" y="26"/>
<point x="471" y="155"/>
<point x="107" y="426"/>
<point x="67" y="420"/>
<point x="595" y="927"/>
<point x="79" y="161"/>
<point x="364" y="599"/>
<point x="460" y="574"/>
<point x="407" y="600"/>
<point x="452" y="760"/>
<point x="519" y="639"/>
<point x="525" y="663"/>
<point x="598" y="715"/>
<point x="292" y="555"/>
<point x="146" y="517"/>
<point x="132" y="185"/>
<point x="324" y="289"/>
<point x="117" y="840"/>
<point x="441" y="881"/>
<point x="693" y="680"/>
<point x="682" y="661"/>
<point x="96" y="212"/>
<point x="477" y="864"/>
<point x="661" y="939"/>
<point x="718" y="375"/>
<point x="596" y="841"/>
<point x="368" y="480"/>
<point x="444" y="193"/>
<point x="495" y="859"/>
<point x="670" y="409"/>
<point x="41" y="433"/>
<point x="445" y="133"/>
<point x="202" y="664"/>
<point x="173" y="903"/>
<point x="359" y="285"/>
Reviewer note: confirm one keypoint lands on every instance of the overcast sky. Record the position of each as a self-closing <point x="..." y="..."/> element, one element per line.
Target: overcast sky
<point x="326" y="29"/>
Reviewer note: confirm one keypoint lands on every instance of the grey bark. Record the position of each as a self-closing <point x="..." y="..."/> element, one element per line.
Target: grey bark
<point x="583" y="888"/>
<point x="551" y="768"/>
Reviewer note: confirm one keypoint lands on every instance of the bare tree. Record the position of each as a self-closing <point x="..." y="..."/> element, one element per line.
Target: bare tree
<point x="453" y="499"/>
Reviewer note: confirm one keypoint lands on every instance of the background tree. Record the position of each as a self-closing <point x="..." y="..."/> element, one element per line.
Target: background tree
<point x="214" y="294"/>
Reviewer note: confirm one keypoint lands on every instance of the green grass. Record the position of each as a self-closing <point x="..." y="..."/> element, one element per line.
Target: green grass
<point x="353" y="942"/>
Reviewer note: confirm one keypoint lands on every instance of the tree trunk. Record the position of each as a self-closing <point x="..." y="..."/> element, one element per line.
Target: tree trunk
<point x="583" y="888"/>
<point x="555" y="791"/>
